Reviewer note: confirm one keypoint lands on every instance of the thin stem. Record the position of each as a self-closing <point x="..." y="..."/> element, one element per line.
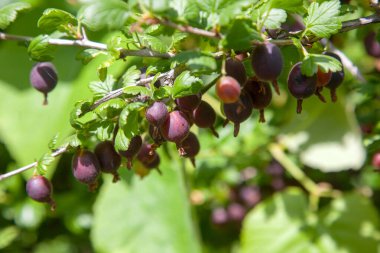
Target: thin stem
<point x="190" y="29"/>
<point x="56" y="153"/>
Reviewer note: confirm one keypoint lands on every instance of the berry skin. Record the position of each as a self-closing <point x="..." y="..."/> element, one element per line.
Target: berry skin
<point x="236" y="69"/>
<point x="239" y="111"/>
<point x="146" y="154"/>
<point x="189" y="147"/>
<point x="250" y="195"/>
<point x="301" y="86"/>
<point x="267" y="63"/>
<point x="188" y="103"/>
<point x="108" y="158"/>
<point x="376" y="160"/>
<point x="43" y="78"/>
<point x="133" y="148"/>
<point x="227" y="89"/>
<point x="157" y="113"/>
<point x="155" y="134"/>
<point x="372" y="46"/>
<point x="40" y="189"/>
<point x="336" y="78"/>
<point x="219" y="216"/>
<point x="204" y="116"/>
<point x="261" y="95"/>
<point x="236" y="212"/>
<point x="176" y="127"/>
<point x="86" y="168"/>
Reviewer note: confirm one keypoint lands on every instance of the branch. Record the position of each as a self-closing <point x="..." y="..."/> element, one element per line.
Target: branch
<point x="145" y="53"/>
<point x="56" y="153"/>
<point x="190" y="29"/>
<point x="119" y="92"/>
<point x="356" y="23"/>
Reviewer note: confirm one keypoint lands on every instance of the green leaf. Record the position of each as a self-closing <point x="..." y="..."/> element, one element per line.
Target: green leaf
<point x="9" y="13"/>
<point x="135" y="90"/>
<point x="53" y="142"/>
<point x="185" y="84"/>
<point x="293" y="6"/>
<point x="110" y="109"/>
<point x="197" y="62"/>
<point x="154" y="43"/>
<point x="323" y="19"/>
<point x="170" y="230"/>
<point x="121" y="140"/>
<point x="326" y="63"/>
<point x="162" y="92"/>
<point x="102" y="70"/>
<point x="348" y="225"/>
<point x="55" y="19"/>
<point x="44" y="162"/>
<point x="130" y="76"/>
<point x="8" y="235"/>
<point x="88" y="55"/>
<point x="40" y="50"/>
<point x="100" y="89"/>
<point x="104" y="130"/>
<point x="274" y="18"/>
<point x="240" y="35"/>
<point x="111" y="14"/>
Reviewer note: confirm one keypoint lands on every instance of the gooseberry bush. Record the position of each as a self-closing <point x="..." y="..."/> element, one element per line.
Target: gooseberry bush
<point x="253" y="124"/>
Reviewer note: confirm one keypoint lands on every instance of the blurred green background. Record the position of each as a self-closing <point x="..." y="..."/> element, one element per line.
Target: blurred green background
<point x="240" y="198"/>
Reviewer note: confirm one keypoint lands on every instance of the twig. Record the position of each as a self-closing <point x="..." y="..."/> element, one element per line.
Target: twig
<point x="56" y="153"/>
<point x="190" y="29"/>
<point x="356" y="23"/>
<point x="145" y="53"/>
<point x="119" y="92"/>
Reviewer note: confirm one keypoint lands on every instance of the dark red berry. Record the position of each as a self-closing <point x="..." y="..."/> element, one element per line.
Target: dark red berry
<point x="323" y="78"/>
<point x="40" y="189"/>
<point x="236" y="212"/>
<point x="133" y="148"/>
<point x="157" y="113"/>
<point x="146" y="154"/>
<point x="108" y="158"/>
<point x="371" y="44"/>
<point x="250" y="195"/>
<point x="155" y="134"/>
<point x="336" y="78"/>
<point x="86" y="168"/>
<point x="227" y="89"/>
<point x="219" y="216"/>
<point x="188" y="103"/>
<point x="267" y="63"/>
<point x="236" y="69"/>
<point x="176" y="127"/>
<point x="204" y="116"/>
<point x="301" y="86"/>
<point x="189" y="147"/>
<point x="239" y="111"/>
<point x="154" y="163"/>
<point x="43" y="78"/>
<point x="261" y="95"/>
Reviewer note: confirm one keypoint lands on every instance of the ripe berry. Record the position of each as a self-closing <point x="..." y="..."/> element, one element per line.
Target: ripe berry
<point x="133" y="148"/>
<point x="236" y="69"/>
<point x="155" y="134"/>
<point x="376" y="160"/>
<point x="323" y="78"/>
<point x="204" y="116"/>
<point x="176" y="127"/>
<point x="154" y="163"/>
<point x="188" y="103"/>
<point x="371" y="44"/>
<point x="189" y="147"/>
<point x="108" y="158"/>
<point x="236" y="212"/>
<point x="146" y="153"/>
<point x="261" y="95"/>
<point x="40" y="189"/>
<point x="239" y="111"/>
<point x="157" y="113"/>
<point x="336" y="78"/>
<point x="43" y="78"/>
<point x="227" y="89"/>
<point x="86" y="168"/>
<point x="301" y="86"/>
<point x="219" y="216"/>
<point x="267" y="63"/>
<point x="250" y="195"/>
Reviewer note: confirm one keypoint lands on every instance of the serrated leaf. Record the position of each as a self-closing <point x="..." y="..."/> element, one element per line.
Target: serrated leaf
<point x="186" y="84"/>
<point x="131" y="76"/>
<point x="43" y="163"/>
<point x="196" y="61"/>
<point x="154" y="43"/>
<point x="326" y="63"/>
<point x="53" y="142"/>
<point x="9" y="13"/>
<point x="55" y="19"/>
<point x="274" y="18"/>
<point x="100" y="89"/>
<point x="111" y="108"/>
<point x="88" y="55"/>
<point x="162" y="92"/>
<point x="135" y="90"/>
<point x="323" y="20"/>
<point x="240" y="35"/>
<point x="102" y="70"/>
<point x="111" y="14"/>
<point x="293" y="5"/>
<point x="104" y="131"/>
<point x="40" y="50"/>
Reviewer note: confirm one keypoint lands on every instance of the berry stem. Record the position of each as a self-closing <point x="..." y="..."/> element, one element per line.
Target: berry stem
<point x="299" y="105"/>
